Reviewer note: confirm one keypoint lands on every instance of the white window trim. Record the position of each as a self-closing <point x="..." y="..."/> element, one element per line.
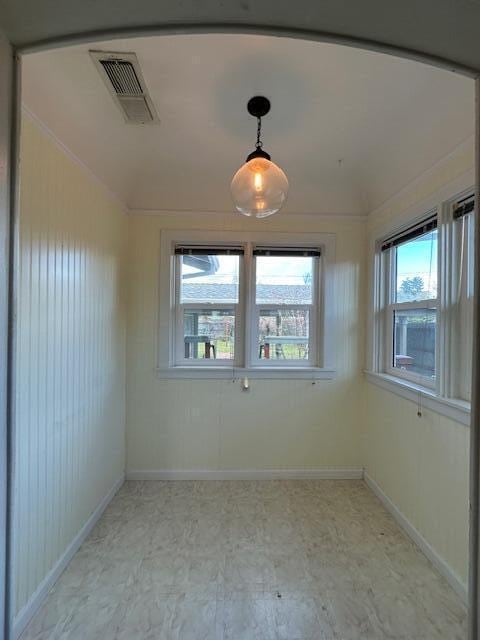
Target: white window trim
<point x="325" y="332"/>
<point x="437" y="399"/>
<point x="238" y="308"/>
<point x="315" y="322"/>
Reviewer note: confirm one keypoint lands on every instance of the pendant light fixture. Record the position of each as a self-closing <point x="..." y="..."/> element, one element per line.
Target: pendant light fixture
<point x="260" y="187"/>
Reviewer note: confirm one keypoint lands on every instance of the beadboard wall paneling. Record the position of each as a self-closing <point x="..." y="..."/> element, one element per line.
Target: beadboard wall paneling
<point x="421" y="464"/>
<point x="213" y="425"/>
<point x="6" y="75"/>
<point x="70" y="355"/>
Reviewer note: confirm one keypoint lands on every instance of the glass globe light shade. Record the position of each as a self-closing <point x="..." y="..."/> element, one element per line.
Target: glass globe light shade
<point x="259" y="188"/>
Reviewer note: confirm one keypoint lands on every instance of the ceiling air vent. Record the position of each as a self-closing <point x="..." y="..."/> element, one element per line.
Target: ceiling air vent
<point x="121" y="73"/>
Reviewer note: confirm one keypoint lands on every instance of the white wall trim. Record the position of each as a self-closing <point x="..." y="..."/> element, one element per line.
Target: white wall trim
<point x="63" y="147"/>
<point x="356" y="217"/>
<point x="235" y="373"/>
<point x="341" y="473"/>
<point x="28" y="611"/>
<point x="457" y="410"/>
<point x="438" y="562"/>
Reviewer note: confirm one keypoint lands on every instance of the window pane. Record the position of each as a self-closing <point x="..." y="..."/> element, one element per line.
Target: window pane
<point x="414" y="341"/>
<point x="209" y="333"/>
<point x="417" y="269"/>
<point x="284" y="280"/>
<point x="283" y="334"/>
<point x="209" y="278"/>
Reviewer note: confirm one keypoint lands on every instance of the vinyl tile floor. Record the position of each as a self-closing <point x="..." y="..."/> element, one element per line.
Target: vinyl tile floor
<point x="237" y="560"/>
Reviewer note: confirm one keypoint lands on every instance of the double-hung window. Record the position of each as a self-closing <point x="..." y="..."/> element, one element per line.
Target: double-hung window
<point x="285" y="303"/>
<point x="207" y="303"/>
<point x="411" y="285"/>
<point x="238" y="303"/>
<point x="423" y="302"/>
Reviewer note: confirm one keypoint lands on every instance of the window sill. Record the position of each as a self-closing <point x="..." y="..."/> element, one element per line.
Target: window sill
<point x="230" y="373"/>
<point x="457" y="410"/>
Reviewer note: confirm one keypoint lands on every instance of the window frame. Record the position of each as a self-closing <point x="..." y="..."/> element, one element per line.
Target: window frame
<point x="443" y="395"/>
<point x="169" y="366"/>
<point x="314" y="320"/>
<point x="178" y="324"/>
<point x="389" y="265"/>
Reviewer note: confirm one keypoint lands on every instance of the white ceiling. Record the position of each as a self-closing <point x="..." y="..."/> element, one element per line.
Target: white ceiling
<point x="385" y="119"/>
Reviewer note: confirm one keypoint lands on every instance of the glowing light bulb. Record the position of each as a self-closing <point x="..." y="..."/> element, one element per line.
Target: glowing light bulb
<point x="258" y="182"/>
<point x="261" y="194"/>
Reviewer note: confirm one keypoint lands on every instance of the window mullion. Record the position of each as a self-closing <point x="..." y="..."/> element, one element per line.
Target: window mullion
<point x="242" y="334"/>
<point x="380" y="294"/>
<point x="207" y="305"/>
<point x="388" y="340"/>
<point x="447" y="271"/>
<point x="388" y="313"/>
<point x="430" y="303"/>
<point x="392" y="272"/>
<point x="249" y="299"/>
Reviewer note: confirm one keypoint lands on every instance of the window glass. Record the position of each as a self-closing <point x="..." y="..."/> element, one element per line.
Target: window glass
<point x="416" y="269"/>
<point x="283" y="334"/>
<point x="284" y="280"/>
<point x="209" y="278"/>
<point x="414" y="341"/>
<point x="209" y="334"/>
<point x="223" y="318"/>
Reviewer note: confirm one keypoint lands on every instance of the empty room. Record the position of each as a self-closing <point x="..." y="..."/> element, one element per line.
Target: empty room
<point x="243" y="342"/>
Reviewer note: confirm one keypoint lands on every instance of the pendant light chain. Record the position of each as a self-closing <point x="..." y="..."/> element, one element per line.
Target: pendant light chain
<point x="259" y="143"/>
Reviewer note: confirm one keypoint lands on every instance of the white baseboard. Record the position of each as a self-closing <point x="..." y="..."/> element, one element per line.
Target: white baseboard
<point x="348" y="473"/>
<point x="439" y="563"/>
<point x="32" y="606"/>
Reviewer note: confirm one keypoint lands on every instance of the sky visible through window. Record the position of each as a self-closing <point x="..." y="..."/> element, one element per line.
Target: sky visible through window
<point x="270" y="270"/>
<point x="417" y="268"/>
<point x="292" y="270"/>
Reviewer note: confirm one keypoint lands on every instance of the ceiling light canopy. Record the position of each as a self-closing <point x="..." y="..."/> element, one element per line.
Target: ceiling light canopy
<point x="260" y="187"/>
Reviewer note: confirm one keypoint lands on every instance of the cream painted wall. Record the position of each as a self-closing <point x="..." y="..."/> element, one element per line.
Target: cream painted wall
<point x="213" y="424"/>
<point x="70" y="356"/>
<point x="70" y="378"/>
<point x="421" y="464"/>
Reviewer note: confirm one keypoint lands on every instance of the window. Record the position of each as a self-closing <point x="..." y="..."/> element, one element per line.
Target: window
<point x="207" y="295"/>
<point x="411" y="275"/>
<point x="284" y="306"/>
<point x="245" y="305"/>
<point x="424" y="301"/>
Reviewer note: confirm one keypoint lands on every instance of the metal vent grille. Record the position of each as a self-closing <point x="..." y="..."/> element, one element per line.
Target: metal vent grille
<point x="121" y="74"/>
<point x="123" y="77"/>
